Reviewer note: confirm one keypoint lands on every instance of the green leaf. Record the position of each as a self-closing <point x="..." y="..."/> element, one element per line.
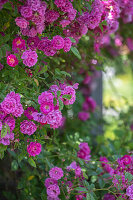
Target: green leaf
<point x="7" y="6"/>
<point x="14" y="165"/>
<point x="61" y="105"/>
<point x="3" y="148"/>
<point x="82" y="189"/>
<point x="128" y="176"/>
<point x="43" y="70"/>
<point x="72" y="40"/>
<point x="58" y="93"/>
<point x="4" y="131"/>
<point x="101" y="183"/>
<point x="67" y="96"/>
<point x="1" y="155"/>
<point x="76" y="52"/>
<point x="20" y="157"/>
<point x="65" y="73"/>
<point x="55" y="101"/>
<point x="32" y="162"/>
<point x="85" y="175"/>
<point x="48" y="163"/>
<point x="90" y="196"/>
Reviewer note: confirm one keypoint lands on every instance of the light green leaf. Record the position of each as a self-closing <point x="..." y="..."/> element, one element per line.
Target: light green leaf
<point x="32" y="162"/>
<point x="76" y="52"/>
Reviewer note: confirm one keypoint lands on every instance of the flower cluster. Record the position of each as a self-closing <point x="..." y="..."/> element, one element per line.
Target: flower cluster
<point x="53" y="190"/>
<point x="33" y="12"/>
<point x="9" y="107"/>
<point x="49" y="104"/>
<point x="120" y="174"/>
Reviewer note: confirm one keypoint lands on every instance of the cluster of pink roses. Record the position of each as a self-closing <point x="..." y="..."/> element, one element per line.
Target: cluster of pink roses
<point x="29" y="57"/>
<point x="50" y="104"/>
<point x="51" y="184"/>
<point x="10" y="107"/>
<point x="119" y="176"/>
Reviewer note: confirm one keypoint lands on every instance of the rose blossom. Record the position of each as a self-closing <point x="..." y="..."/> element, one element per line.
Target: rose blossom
<point x="26" y="11"/>
<point x="18" y="43"/>
<point x="30" y="58"/>
<point x="129" y="191"/>
<point x="83" y="116"/>
<point x="56" y="173"/>
<point x="50" y="181"/>
<point x="28" y="112"/>
<point x="27" y="127"/>
<point x="12" y="60"/>
<point x="67" y="44"/>
<point x="34" y="148"/>
<point x="21" y="22"/>
<point x="53" y="191"/>
<point x="57" y="42"/>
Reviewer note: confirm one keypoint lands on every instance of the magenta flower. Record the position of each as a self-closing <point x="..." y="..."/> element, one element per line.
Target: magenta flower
<point x="91" y="103"/>
<point x="68" y="7"/>
<point x="26" y="11"/>
<point x="67" y="44"/>
<point x="129" y="191"/>
<point x="9" y="105"/>
<point x="30" y="58"/>
<point x="109" y="197"/>
<point x="12" y="60"/>
<point x="46" y="46"/>
<point x="0" y="125"/>
<point x="56" y="173"/>
<point x="126" y="160"/>
<point x="10" y="121"/>
<point x="68" y="90"/>
<point x="75" y="167"/>
<point x="39" y="117"/>
<point x="34" y="148"/>
<point x="28" y="112"/>
<point x="130" y="43"/>
<point x="45" y="97"/>
<point x="18" y="43"/>
<point x="33" y="42"/>
<point x="84" y="152"/>
<point x="54" y="118"/>
<point x="60" y="3"/>
<point x="6" y="140"/>
<point x="65" y="22"/>
<point x="21" y="22"/>
<point x="27" y="127"/>
<point x="46" y="107"/>
<point x="50" y="181"/>
<point x="12" y="105"/>
<point x="131" y="127"/>
<point x="53" y="191"/>
<point x="83" y="116"/>
<point x="57" y="42"/>
<point x="51" y="16"/>
<point x="2" y="113"/>
<point x="34" y="4"/>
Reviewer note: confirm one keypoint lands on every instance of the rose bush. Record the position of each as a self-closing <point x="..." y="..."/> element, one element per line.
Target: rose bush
<point x="50" y="54"/>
